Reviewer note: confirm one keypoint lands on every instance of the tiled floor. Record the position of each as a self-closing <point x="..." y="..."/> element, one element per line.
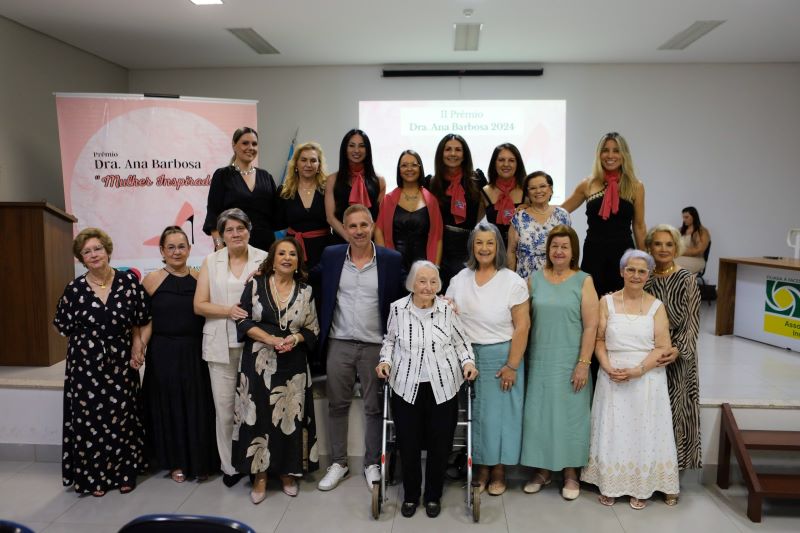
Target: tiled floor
<point x="31" y="493"/>
<point x="730" y="368"/>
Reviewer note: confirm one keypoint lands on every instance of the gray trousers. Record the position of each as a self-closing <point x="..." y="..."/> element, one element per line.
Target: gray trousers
<point x="345" y="360"/>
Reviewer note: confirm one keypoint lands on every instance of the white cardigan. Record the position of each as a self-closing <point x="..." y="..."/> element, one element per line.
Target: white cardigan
<point x="437" y="340"/>
<point x="215" y="330"/>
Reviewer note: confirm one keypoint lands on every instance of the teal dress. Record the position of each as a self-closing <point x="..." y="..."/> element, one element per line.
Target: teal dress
<point x="556" y="421"/>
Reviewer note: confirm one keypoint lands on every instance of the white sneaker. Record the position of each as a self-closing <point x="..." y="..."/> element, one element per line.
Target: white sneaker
<point x="336" y="473"/>
<point x="372" y="473"/>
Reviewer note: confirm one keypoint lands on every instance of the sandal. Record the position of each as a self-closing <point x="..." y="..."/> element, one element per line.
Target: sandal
<point x="671" y="499"/>
<point x="497" y="485"/>
<point x="177" y="475"/>
<point x="125" y="489"/>
<point x="571" y="494"/>
<point x="289" y="486"/>
<point x="608" y="501"/>
<point x="637" y="504"/>
<point x="536" y="483"/>
<point x="99" y="493"/>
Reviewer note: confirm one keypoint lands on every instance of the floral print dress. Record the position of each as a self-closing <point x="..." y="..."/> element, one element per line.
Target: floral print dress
<point x="531" y="254"/>
<point x="274" y="426"/>
<point x="103" y="437"/>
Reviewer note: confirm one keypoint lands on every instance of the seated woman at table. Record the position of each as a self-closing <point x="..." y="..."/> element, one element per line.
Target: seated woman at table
<point x="696" y="239"/>
<point x="424" y="354"/>
<point x="410" y="221"/>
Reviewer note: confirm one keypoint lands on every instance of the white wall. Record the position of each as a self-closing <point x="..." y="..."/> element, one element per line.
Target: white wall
<point x="720" y="137"/>
<point x="33" y="67"/>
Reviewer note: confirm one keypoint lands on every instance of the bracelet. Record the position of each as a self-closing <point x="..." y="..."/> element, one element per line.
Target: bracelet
<point x="296" y="337"/>
<point x="585" y="361"/>
<point x="641" y="367"/>
<point x="510" y="367"/>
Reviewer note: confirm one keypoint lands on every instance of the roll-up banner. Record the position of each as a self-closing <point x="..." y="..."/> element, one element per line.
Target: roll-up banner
<point x="134" y="164"/>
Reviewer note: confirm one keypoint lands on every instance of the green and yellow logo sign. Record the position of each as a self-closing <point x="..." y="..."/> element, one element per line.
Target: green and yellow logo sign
<point x="782" y="308"/>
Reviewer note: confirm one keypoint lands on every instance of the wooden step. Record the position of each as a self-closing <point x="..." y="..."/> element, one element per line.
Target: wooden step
<point x="771" y="440"/>
<point x="779" y="485"/>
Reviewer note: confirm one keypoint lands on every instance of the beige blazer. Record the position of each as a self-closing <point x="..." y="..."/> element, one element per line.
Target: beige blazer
<point x="215" y="331"/>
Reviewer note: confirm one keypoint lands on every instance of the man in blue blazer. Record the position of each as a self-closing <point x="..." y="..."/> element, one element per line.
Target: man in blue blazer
<point x="359" y="282"/>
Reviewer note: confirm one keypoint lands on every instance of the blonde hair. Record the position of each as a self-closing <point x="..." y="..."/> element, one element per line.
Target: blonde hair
<point x="628" y="182"/>
<point x="673" y="232"/>
<point x="290" y="180"/>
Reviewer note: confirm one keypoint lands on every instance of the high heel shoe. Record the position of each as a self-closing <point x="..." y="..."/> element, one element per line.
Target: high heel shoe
<point x="258" y="496"/>
<point x="186" y="214"/>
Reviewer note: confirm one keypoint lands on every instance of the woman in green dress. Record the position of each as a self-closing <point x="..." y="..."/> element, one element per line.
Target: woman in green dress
<point x="556" y="421"/>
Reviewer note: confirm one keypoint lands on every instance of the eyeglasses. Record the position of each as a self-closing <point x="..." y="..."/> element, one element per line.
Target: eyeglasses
<point x="406" y="166"/>
<point x="640" y="271"/>
<point x="611" y="134"/>
<point x="171" y="249"/>
<point x="89" y="251"/>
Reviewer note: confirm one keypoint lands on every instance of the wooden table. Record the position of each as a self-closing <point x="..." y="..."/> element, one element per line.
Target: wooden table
<point x="726" y="285"/>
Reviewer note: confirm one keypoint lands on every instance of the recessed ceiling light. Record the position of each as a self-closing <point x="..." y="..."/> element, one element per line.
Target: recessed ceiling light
<point x="467" y="37"/>
<point x="251" y="38"/>
<point x="681" y="40"/>
<point x="205" y="2"/>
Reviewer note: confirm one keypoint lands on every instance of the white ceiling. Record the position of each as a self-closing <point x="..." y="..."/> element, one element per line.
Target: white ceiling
<point x="167" y="34"/>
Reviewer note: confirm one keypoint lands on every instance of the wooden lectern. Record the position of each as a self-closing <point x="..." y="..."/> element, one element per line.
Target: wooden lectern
<point x="37" y="263"/>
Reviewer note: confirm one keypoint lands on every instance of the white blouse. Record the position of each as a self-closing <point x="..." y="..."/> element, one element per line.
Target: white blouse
<point x="435" y="342"/>
<point x="486" y="310"/>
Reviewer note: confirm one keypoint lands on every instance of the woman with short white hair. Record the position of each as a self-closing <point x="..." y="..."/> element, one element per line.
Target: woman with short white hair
<point x="632" y="450"/>
<point x="426" y="355"/>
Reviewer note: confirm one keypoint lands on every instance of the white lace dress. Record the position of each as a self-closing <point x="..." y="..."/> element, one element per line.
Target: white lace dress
<point x="632" y="449"/>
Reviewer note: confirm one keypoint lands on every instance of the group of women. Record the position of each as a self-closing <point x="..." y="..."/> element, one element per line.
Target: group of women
<point x="227" y="382"/>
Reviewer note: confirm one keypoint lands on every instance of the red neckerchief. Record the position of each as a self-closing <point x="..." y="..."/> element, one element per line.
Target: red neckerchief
<point x="504" y="204"/>
<point x="358" y="187"/>
<point x="458" y="199"/>
<point x="610" y="203"/>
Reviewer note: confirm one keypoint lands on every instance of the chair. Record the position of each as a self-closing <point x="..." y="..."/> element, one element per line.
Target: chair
<point x="707" y="292"/>
<point x="7" y="526"/>
<point x="178" y="523"/>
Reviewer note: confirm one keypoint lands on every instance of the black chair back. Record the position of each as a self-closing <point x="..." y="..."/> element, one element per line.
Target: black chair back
<point x="176" y="523"/>
<point x="7" y="526"/>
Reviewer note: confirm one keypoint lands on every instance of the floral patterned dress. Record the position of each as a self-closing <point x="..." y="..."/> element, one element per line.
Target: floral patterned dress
<point x="532" y="238"/>
<point x="274" y="426"/>
<point x="103" y="438"/>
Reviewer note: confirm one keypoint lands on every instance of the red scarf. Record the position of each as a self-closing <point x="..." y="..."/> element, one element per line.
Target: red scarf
<point x="458" y="199"/>
<point x="504" y="204"/>
<point x="610" y="203"/>
<point x="358" y="187"/>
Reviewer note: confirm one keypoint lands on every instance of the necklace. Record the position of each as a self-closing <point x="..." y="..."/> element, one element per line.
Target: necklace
<point x="411" y="197"/>
<point x="283" y="321"/>
<point x="307" y="191"/>
<point x="666" y="270"/>
<point x="244" y="172"/>
<point x="176" y="272"/>
<point x="102" y="283"/>
<point x="625" y="311"/>
<point x="558" y="276"/>
<point x="540" y="211"/>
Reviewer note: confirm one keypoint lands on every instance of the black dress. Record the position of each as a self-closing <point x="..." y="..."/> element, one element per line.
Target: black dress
<point x="606" y="241"/>
<point x="179" y="407"/>
<point x="341" y="195"/>
<point x="293" y="214"/>
<point x="228" y="189"/>
<point x="410" y="234"/>
<point x="456" y="236"/>
<point x="274" y="428"/>
<point x="103" y="438"/>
